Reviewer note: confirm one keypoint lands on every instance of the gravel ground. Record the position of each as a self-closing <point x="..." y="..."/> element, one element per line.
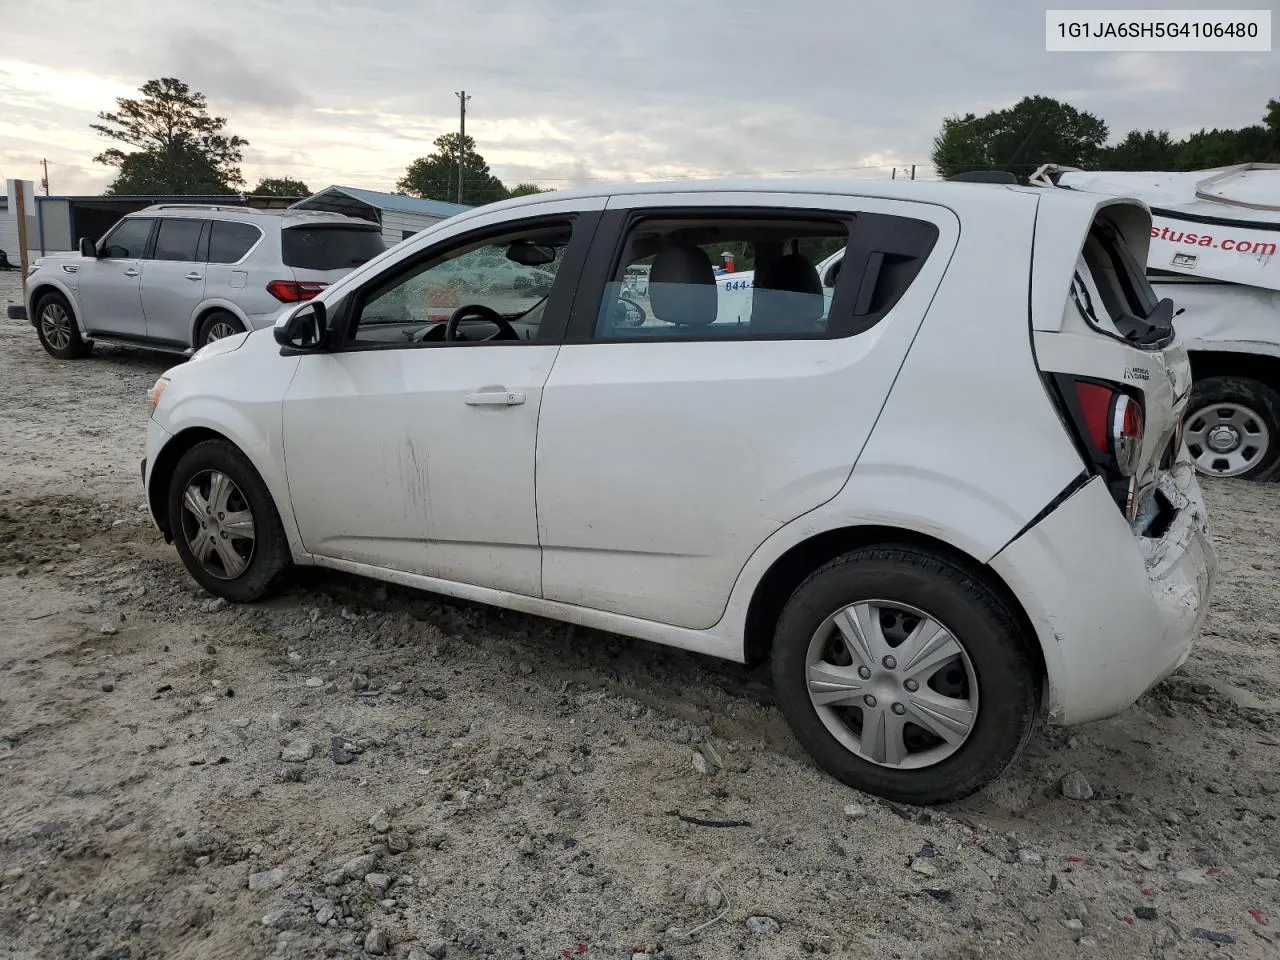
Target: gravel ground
<point x="356" y="770"/>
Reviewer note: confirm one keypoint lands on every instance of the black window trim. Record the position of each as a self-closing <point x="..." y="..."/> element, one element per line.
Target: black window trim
<point x="155" y="238"/>
<point x="247" y="254"/>
<point x="556" y="314"/>
<point x="865" y="236"/>
<point x="105" y="242"/>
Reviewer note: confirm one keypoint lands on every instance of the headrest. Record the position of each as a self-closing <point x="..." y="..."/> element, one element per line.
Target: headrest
<point x="682" y="286"/>
<point x="787" y="295"/>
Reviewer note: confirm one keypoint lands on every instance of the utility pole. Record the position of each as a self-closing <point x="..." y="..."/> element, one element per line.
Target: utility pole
<point x="913" y="171"/>
<point x="45" y="182"/>
<point x="462" y="135"/>
<point x="894" y="175"/>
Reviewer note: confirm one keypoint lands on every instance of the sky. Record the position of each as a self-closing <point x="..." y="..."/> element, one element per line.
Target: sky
<point x="566" y="92"/>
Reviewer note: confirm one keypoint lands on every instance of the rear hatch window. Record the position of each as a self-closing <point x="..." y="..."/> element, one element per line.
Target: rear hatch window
<point x="322" y="247"/>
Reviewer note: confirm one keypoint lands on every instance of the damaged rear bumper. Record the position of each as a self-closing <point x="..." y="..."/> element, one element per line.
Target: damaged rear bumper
<point x="1115" y="612"/>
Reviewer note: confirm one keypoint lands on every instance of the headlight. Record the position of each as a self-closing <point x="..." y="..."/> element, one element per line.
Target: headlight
<point x="156" y="392"/>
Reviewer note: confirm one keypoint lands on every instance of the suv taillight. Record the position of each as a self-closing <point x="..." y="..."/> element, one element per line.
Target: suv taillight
<point x="291" y="291"/>
<point x="1109" y="425"/>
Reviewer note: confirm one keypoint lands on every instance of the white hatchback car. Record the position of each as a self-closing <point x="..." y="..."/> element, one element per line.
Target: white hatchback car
<point x="948" y="496"/>
<point x="173" y="277"/>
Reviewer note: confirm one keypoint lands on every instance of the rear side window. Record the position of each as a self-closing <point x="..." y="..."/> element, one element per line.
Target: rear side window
<point x="229" y="242"/>
<point x="178" y="240"/>
<point x="330" y="248"/>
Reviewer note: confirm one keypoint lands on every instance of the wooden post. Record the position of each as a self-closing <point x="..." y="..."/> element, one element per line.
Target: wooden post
<point x="20" y="201"/>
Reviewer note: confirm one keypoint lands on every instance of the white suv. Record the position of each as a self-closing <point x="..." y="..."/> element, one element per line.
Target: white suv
<point x="948" y="496"/>
<point x="177" y="276"/>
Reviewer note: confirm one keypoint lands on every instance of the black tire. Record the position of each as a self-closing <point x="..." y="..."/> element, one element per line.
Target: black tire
<point x="1251" y="408"/>
<point x="978" y="619"/>
<point x="57" y="329"/>
<point x="268" y="556"/>
<point x="218" y="320"/>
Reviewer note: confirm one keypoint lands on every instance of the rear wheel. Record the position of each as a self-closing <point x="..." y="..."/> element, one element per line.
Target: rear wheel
<point x="56" y="327"/>
<point x="217" y="325"/>
<point x="904" y="676"/>
<point x="225" y="524"/>
<point x="1232" y="427"/>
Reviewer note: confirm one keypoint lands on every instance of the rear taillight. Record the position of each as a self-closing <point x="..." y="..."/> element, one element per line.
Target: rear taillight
<point x="291" y="291"/>
<point x="1109" y="426"/>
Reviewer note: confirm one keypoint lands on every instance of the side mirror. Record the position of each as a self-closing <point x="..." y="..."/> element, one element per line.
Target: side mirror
<point x="303" y="329"/>
<point x="88" y="248"/>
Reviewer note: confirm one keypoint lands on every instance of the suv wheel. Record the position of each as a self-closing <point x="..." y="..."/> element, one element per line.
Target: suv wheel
<point x="225" y="524"/>
<point x="904" y="676"/>
<point x="1232" y="427"/>
<point x="56" y="327"/>
<point x="217" y="325"/>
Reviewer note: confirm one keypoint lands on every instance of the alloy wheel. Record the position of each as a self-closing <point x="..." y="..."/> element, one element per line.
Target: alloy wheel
<point x="55" y="322"/>
<point x="220" y="329"/>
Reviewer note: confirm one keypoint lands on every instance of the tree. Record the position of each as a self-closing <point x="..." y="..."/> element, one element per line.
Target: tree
<point x="527" y="190"/>
<point x="1018" y="139"/>
<point x="435" y="177"/>
<point x="181" y="149"/>
<point x="1141" y="150"/>
<point x="281" y="187"/>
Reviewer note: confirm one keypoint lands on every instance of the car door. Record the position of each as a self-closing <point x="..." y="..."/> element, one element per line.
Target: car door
<point x="173" y="277"/>
<point x="409" y="451"/>
<point x="669" y="450"/>
<point x="109" y="287"/>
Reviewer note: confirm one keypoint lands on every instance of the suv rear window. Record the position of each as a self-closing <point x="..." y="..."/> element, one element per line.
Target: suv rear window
<point x="330" y="248"/>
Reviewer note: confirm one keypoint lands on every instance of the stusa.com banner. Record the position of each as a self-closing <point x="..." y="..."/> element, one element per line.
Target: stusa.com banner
<point x="1218" y="252"/>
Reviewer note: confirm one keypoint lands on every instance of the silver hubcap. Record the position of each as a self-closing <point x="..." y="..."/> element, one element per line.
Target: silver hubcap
<point x="56" y="324"/>
<point x="892" y="684"/>
<point x="220" y="329"/>
<point x="1226" y="439"/>
<point x="218" y="525"/>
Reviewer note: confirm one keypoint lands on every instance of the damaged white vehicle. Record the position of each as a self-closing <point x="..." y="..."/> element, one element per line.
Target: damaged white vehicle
<point x="1214" y="237"/>
<point x="946" y="498"/>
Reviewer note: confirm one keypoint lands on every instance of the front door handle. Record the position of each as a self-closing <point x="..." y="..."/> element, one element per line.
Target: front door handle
<point x="195" y="276"/>
<point x="494" y="398"/>
<point x="131" y="272"/>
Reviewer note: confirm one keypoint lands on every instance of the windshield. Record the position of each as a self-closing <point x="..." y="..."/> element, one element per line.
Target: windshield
<point x="319" y="247"/>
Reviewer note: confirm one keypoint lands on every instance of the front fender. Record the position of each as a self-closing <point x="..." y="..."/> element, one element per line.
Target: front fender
<point x="43" y="285"/>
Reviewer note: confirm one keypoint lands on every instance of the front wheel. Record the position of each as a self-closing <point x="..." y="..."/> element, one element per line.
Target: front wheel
<point x="904" y="676"/>
<point x="1232" y="427"/>
<point x="224" y="523"/>
<point x="56" y="327"/>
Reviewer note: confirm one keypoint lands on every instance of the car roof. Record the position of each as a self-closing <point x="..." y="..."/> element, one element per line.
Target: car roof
<point x="289" y="217"/>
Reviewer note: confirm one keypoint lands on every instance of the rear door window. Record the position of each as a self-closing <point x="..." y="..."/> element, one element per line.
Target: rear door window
<point x="230" y="241"/>
<point x="178" y="240"/>
<point x="330" y="248"/>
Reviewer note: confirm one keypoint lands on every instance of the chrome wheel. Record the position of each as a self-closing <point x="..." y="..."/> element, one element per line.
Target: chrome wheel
<point x="219" y="329"/>
<point x="892" y="684"/>
<point x="217" y="523"/>
<point x="1226" y="439"/>
<point x="55" y="323"/>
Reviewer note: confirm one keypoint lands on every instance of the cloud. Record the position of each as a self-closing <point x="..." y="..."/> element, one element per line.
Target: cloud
<point x="563" y="92"/>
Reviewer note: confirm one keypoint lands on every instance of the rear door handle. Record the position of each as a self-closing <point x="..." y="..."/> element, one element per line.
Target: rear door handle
<point x="131" y="272"/>
<point x="494" y="398"/>
<point x="195" y="276"/>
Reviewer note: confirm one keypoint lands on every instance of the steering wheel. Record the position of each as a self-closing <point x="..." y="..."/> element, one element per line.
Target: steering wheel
<point x="478" y="311"/>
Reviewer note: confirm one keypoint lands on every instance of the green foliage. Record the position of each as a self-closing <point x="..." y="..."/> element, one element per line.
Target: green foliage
<point x="1017" y="138"/>
<point x="180" y="148"/>
<point x="526" y="190"/>
<point x="435" y="177"/>
<point x="1039" y="130"/>
<point x="281" y="187"/>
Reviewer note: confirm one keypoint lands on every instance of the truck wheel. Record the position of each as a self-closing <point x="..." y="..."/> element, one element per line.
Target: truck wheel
<point x="904" y="676"/>
<point x="1232" y="427"/>
<point x="57" y="330"/>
